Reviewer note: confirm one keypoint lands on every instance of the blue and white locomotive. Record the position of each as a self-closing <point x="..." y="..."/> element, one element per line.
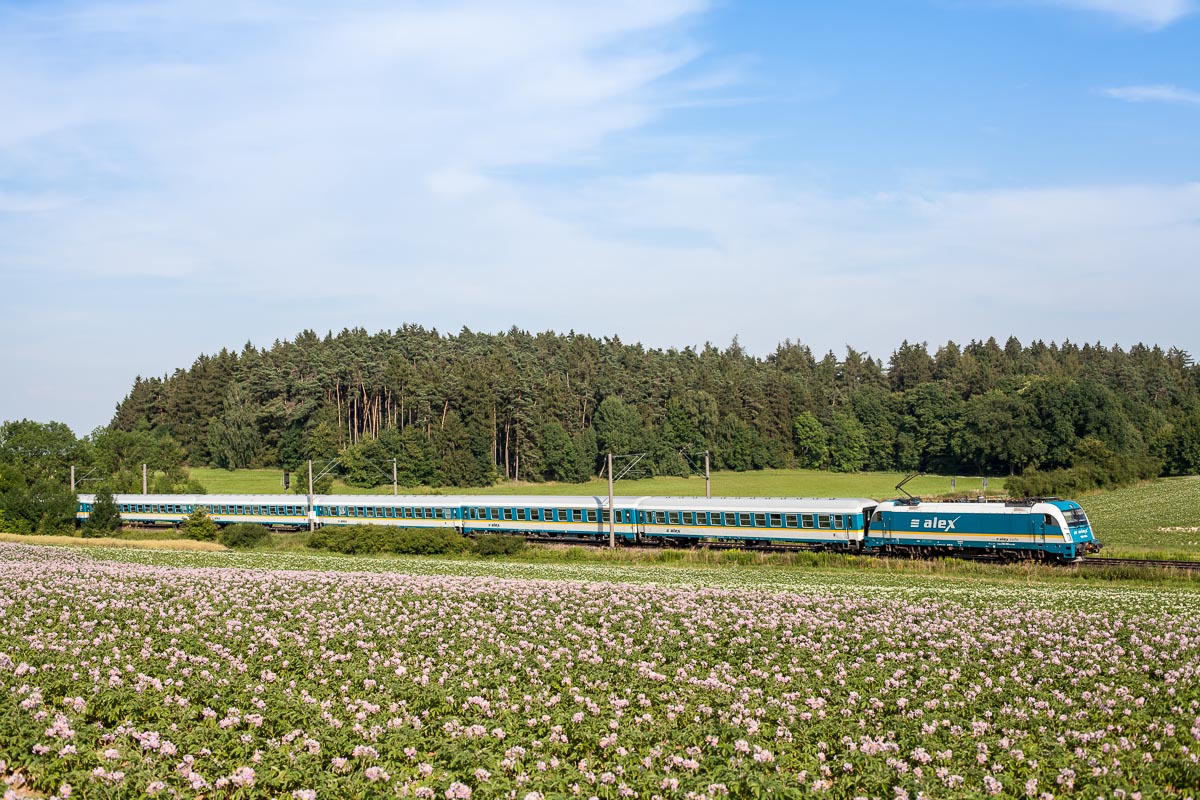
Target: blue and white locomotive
<point x="1049" y="528"/>
<point x="1046" y="529"/>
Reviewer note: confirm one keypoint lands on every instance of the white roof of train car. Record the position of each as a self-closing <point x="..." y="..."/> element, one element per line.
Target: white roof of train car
<point x="959" y="508"/>
<point x="768" y="504"/>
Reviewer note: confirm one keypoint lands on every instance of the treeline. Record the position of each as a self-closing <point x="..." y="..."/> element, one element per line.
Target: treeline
<point x="35" y="470"/>
<point x="466" y="409"/>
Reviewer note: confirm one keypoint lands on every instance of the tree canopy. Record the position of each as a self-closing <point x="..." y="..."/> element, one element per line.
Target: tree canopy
<point x="465" y="409"/>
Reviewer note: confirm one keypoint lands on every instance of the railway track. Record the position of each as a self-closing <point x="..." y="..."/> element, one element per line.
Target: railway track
<point x="1092" y="561"/>
<point x="1089" y="561"/>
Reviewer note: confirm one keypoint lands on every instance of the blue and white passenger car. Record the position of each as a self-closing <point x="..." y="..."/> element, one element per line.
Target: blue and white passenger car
<point x="1047" y="528"/>
<point x="225" y="509"/>
<point x="830" y="523"/>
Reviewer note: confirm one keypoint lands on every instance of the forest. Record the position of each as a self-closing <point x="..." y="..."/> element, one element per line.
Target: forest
<point x="467" y="409"/>
<point x="472" y="408"/>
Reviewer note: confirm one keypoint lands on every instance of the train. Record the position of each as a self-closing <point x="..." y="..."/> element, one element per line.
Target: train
<point x="1047" y="529"/>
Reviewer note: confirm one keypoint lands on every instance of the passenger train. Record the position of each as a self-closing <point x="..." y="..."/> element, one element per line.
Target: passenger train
<point x="1049" y="529"/>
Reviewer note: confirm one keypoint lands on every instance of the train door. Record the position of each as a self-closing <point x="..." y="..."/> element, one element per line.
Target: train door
<point x="1046" y="526"/>
<point x="879" y="529"/>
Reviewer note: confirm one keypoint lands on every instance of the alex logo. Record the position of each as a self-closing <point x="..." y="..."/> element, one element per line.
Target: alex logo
<point x="935" y="524"/>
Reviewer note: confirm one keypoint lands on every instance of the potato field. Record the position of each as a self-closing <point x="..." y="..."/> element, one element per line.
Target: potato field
<point x="125" y="673"/>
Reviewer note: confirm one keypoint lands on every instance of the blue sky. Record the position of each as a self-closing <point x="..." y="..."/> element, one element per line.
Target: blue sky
<point x="180" y="177"/>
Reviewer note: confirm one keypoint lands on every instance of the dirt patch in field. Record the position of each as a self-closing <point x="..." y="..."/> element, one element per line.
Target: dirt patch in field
<point x="137" y="544"/>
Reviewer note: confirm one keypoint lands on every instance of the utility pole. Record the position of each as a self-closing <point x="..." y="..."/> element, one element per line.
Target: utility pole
<point x="312" y="524"/>
<point x="707" y="477"/>
<point x="144" y="484"/>
<point x="612" y="519"/>
<point x="394" y="488"/>
<point x="72" y="477"/>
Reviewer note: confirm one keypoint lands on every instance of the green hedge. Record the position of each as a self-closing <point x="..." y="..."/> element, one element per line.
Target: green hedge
<point x="369" y="539"/>
<point x="243" y="535"/>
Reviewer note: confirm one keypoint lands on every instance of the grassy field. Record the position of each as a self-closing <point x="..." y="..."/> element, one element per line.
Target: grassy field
<point x="764" y="483"/>
<point x="1158" y="519"/>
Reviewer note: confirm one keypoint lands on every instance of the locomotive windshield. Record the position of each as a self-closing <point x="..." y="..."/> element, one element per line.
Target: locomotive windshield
<point x="1075" y="517"/>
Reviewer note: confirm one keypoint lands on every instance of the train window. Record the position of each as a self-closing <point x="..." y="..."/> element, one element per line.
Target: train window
<point x="776" y="520"/>
<point x="592" y="516"/>
<point x="877" y="516"/>
<point x="839" y="520"/>
<point x="807" y="520"/>
<point x="760" y="520"/>
<point x="1050" y="521"/>
<point x="604" y="515"/>
<point x="522" y="514"/>
<point x="660" y="517"/>
<point x="576" y="515"/>
<point x="507" y="513"/>
<point x="744" y="520"/>
<point x="823" y="521"/>
<point x="790" y="520"/>
<point x="428" y="513"/>
<point x="673" y="518"/>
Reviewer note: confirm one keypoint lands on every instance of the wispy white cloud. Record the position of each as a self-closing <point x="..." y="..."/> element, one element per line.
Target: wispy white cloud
<point x="1158" y="93"/>
<point x="245" y="175"/>
<point x="1151" y="14"/>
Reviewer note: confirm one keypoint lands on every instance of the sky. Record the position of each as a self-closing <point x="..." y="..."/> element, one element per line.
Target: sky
<point x="179" y="177"/>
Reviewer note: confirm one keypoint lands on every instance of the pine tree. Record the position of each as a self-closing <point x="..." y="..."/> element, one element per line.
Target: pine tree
<point x="199" y="526"/>
<point x="104" y="517"/>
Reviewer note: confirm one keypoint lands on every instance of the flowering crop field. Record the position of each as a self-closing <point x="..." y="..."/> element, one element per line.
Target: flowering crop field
<point x="125" y="673"/>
